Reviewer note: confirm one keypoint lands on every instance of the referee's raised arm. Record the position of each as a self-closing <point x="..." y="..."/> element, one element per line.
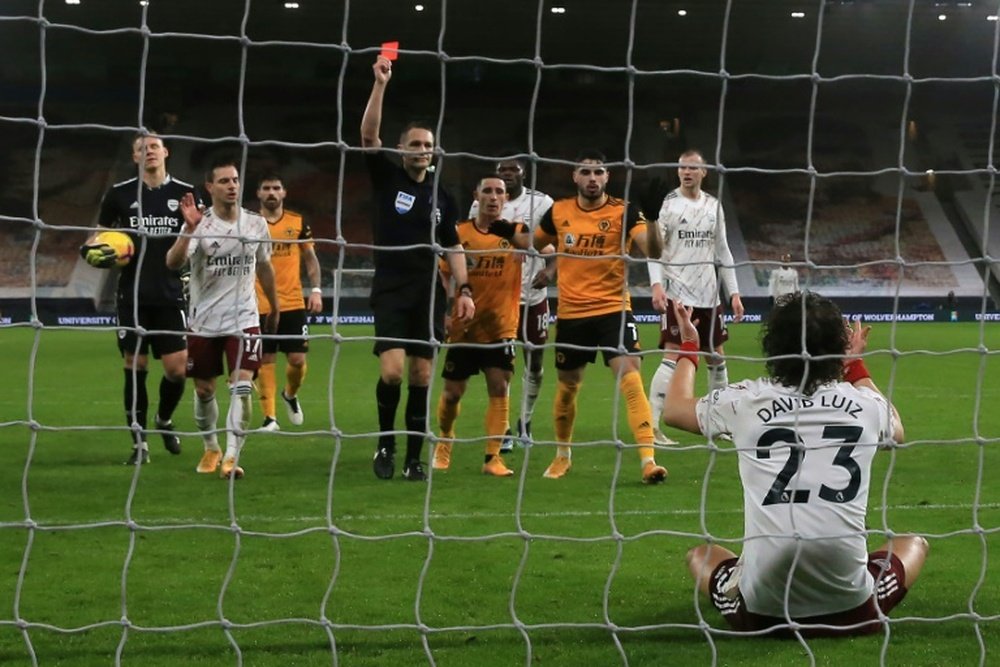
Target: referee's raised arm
<point x="371" y="122"/>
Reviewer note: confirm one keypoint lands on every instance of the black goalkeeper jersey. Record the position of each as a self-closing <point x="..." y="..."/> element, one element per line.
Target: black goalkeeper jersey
<point x="405" y="215"/>
<point x="154" y="232"/>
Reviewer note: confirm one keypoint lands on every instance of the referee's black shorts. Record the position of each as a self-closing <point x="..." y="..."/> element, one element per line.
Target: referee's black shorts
<point x="406" y="319"/>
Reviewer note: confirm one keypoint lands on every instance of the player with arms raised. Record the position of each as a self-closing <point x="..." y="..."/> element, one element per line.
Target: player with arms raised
<point x="227" y="247"/>
<point x="695" y="255"/>
<point x="593" y="233"/>
<point x="495" y="277"/>
<point x="805" y="437"/>
<point x="407" y="298"/>
<point x="150" y="295"/>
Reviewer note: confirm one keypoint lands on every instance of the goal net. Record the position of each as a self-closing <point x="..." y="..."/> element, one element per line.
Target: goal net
<point x="857" y="137"/>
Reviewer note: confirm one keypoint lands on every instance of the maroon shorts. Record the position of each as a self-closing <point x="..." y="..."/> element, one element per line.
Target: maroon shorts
<point x="534" y="325"/>
<point x="889" y="575"/>
<point x="205" y="353"/>
<point x="711" y="327"/>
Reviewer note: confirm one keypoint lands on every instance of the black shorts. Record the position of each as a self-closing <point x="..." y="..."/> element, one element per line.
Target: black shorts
<point x="711" y="327"/>
<point x="462" y="362"/>
<point x="407" y="319"/>
<point x="889" y="575"/>
<point x="169" y="319"/>
<point x="614" y="330"/>
<point x="290" y="323"/>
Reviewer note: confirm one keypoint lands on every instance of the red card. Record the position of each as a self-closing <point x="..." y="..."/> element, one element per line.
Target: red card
<point x="390" y="50"/>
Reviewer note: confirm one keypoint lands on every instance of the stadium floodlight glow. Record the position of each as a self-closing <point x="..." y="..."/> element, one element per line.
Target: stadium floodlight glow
<point x="942" y="17"/>
<point x="72" y="2"/>
<point x="558" y="10"/>
<point x="992" y="17"/>
<point x="419" y="8"/>
<point x="682" y="12"/>
<point x="798" y="15"/>
<point x="291" y="5"/>
<point x="143" y="3"/>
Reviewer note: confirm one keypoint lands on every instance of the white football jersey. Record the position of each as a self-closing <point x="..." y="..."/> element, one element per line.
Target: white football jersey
<point x="804" y="515"/>
<point x="784" y="280"/>
<point x="694" y="241"/>
<point x="528" y="207"/>
<point x="224" y="258"/>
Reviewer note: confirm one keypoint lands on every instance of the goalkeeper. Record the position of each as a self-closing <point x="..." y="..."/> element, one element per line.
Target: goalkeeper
<point x="149" y="295"/>
<point x="805" y="437"/>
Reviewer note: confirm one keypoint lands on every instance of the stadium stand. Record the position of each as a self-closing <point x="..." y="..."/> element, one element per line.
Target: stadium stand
<point x="75" y="169"/>
<point x="852" y="220"/>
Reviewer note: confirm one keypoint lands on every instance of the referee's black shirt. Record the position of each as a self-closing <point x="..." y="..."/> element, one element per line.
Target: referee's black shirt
<point x="161" y="220"/>
<point x="405" y="215"/>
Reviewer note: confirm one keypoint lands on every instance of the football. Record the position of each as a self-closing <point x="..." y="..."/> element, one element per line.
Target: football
<point x="121" y="242"/>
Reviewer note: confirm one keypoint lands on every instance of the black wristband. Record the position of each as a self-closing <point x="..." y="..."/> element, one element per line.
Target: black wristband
<point x="465" y="289"/>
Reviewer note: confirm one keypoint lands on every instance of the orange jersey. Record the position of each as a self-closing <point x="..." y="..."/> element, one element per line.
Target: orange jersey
<point x="286" y="258"/>
<point x="495" y="276"/>
<point x="592" y="270"/>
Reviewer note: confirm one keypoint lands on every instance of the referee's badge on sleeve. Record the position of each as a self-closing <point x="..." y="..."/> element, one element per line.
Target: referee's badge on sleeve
<point x="404" y="202"/>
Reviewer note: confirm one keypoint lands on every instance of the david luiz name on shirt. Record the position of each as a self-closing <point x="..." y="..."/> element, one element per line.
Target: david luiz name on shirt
<point x="782" y="406"/>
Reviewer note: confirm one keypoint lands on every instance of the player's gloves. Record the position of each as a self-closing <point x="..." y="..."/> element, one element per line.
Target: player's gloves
<point x="503" y="229"/>
<point x="99" y="255"/>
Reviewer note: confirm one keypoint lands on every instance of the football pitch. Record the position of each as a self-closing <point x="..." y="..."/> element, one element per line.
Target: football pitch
<point x="310" y="560"/>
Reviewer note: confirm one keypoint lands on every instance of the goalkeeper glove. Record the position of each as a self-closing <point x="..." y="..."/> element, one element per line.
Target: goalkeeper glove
<point x="503" y="229"/>
<point x="100" y="255"/>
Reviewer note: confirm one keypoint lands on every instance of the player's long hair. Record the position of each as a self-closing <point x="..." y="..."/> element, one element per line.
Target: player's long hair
<point x="826" y="340"/>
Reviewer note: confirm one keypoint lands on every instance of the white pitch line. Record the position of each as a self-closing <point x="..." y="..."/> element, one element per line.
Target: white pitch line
<point x="321" y="520"/>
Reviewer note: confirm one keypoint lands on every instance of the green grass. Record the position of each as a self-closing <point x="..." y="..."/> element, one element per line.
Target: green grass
<point x="407" y="572"/>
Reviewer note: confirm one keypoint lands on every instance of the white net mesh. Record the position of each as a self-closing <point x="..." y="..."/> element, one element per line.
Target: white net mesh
<point x="859" y="138"/>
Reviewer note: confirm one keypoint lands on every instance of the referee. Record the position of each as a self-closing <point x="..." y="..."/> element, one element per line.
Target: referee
<point x="147" y="288"/>
<point x="407" y="296"/>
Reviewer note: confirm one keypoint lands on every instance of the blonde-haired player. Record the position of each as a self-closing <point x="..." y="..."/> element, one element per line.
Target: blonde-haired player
<point x="695" y="258"/>
<point x="291" y="248"/>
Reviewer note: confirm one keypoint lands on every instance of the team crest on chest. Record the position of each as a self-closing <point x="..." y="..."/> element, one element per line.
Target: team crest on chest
<point x="404" y="202"/>
<point x="504" y="244"/>
<point x="173" y="205"/>
<point x="604" y="225"/>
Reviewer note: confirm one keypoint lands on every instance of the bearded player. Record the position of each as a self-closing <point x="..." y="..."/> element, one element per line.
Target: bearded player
<point x="291" y="249"/>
